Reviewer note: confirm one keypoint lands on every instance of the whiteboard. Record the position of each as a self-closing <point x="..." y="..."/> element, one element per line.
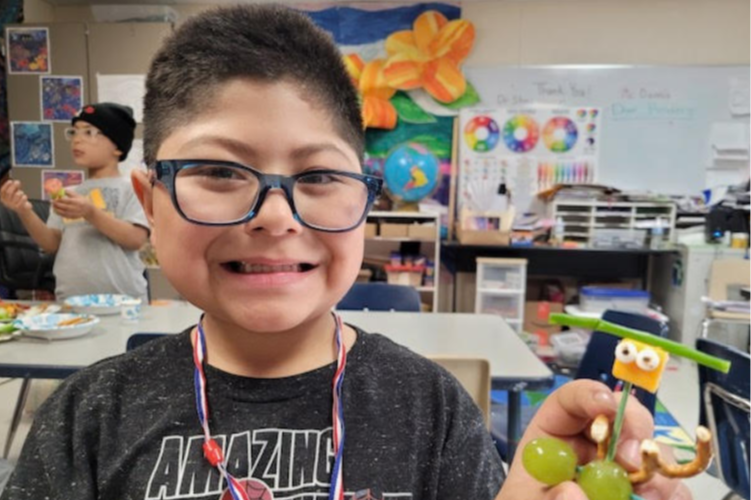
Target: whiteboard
<point x="656" y="123"/>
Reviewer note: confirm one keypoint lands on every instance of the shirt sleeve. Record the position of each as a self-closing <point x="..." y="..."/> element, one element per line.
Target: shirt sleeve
<point x="471" y="466"/>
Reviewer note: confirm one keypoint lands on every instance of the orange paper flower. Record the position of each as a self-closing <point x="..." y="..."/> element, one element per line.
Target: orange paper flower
<point x="430" y="56"/>
<point x="377" y="110"/>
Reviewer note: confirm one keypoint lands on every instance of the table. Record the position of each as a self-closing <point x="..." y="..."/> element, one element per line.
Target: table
<point x="513" y="366"/>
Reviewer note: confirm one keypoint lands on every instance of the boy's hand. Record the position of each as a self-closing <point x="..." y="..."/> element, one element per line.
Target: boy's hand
<point x="566" y="414"/>
<point x="73" y="206"/>
<point x="13" y="197"/>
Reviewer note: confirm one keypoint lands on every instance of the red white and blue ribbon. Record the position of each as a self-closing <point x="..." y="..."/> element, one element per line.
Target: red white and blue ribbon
<point x="213" y="452"/>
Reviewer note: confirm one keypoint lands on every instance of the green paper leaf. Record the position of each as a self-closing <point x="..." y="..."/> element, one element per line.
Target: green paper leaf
<point x="469" y="98"/>
<point x="409" y="111"/>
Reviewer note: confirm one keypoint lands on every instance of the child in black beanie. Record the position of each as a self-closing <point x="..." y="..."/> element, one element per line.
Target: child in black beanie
<point x="94" y="229"/>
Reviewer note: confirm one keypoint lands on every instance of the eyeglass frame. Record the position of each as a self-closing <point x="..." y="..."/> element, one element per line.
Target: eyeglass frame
<point x="165" y="172"/>
<point x="94" y="133"/>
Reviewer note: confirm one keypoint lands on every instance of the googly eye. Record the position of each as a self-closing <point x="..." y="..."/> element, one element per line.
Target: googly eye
<point x="625" y="352"/>
<point x="648" y="360"/>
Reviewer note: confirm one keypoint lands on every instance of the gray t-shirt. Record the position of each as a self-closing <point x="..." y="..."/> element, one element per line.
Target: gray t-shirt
<point x="127" y="428"/>
<point x="87" y="260"/>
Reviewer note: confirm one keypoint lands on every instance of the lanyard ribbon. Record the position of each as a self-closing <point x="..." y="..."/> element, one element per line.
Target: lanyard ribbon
<point x="213" y="452"/>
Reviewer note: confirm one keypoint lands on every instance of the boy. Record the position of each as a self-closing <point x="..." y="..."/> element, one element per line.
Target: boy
<point x="252" y="403"/>
<point x="95" y="229"/>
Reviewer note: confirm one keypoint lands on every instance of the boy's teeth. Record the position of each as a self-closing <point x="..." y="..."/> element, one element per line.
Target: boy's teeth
<point x="259" y="268"/>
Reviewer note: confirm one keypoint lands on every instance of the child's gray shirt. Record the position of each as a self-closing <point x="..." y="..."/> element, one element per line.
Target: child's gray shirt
<point x="87" y="260"/>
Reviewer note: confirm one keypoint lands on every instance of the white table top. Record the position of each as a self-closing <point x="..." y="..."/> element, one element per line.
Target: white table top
<point x="478" y="335"/>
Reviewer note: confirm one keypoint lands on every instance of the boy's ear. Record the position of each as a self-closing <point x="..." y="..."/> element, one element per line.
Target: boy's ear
<point x="144" y="191"/>
<point x="117" y="154"/>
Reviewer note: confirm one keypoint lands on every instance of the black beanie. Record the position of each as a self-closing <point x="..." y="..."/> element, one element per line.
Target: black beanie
<point x="114" y="120"/>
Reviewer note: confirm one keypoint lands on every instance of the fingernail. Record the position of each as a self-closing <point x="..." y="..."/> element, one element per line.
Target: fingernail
<point x="651" y="495"/>
<point x="631" y="453"/>
<point x="604" y="398"/>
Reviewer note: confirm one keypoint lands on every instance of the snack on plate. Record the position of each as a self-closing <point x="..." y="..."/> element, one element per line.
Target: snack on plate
<point x="10" y="310"/>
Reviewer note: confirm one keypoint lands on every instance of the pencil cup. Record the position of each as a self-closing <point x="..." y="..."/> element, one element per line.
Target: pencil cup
<point x="130" y="310"/>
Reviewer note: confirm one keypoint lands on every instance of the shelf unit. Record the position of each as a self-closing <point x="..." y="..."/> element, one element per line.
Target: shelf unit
<point x="582" y="218"/>
<point x="501" y="288"/>
<point x="426" y="237"/>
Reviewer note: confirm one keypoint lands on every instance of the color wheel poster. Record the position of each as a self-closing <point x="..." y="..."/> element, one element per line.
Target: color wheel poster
<point x="524" y="151"/>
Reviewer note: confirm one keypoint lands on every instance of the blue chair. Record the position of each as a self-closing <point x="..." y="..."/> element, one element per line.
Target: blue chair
<point x="725" y="410"/>
<point x="139" y="339"/>
<point x="599" y="357"/>
<point x="380" y="297"/>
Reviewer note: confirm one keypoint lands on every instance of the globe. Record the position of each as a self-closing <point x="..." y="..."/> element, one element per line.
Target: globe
<point x="411" y="172"/>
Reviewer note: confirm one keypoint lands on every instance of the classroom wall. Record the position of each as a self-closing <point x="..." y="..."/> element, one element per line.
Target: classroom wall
<point x="660" y="32"/>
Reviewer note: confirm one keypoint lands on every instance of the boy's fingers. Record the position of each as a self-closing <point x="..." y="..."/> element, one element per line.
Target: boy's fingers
<point x="565" y="491"/>
<point x="569" y="410"/>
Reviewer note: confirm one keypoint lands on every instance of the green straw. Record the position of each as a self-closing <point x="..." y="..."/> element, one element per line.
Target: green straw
<point x="620" y="331"/>
<point x="618" y="425"/>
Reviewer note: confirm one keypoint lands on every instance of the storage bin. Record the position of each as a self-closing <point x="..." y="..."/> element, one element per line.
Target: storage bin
<point x="598" y="300"/>
<point x="506" y="306"/>
<point x="422" y="231"/>
<point x="502" y="278"/>
<point x="390" y="230"/>
<point x="371" y="230"/>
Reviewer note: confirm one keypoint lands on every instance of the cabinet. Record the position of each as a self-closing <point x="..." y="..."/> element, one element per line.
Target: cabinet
<point x="416" y="238"/>
<point x="680" y="280"/>
<point x="500" y="289"/>
<point x="582" y="219"/>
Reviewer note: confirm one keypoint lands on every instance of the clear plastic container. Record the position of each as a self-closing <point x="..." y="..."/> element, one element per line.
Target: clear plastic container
<point x="597" y="300"/>
<point x="506" y="306"/>
<point x="502" y="278"/>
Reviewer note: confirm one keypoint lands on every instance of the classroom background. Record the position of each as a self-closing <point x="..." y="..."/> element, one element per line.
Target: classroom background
<point x="595" y="162"/>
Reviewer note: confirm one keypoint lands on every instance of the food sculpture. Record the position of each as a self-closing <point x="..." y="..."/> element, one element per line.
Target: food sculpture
<point x="54" y="188"/>
<point x="640" y="360"/>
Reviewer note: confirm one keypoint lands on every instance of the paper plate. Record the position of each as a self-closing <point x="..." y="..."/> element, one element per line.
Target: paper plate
<point x="57" y="326"/>
<point x="100" y="304"/>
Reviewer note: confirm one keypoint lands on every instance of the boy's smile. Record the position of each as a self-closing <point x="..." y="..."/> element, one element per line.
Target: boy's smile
<point x="270" y="274"/>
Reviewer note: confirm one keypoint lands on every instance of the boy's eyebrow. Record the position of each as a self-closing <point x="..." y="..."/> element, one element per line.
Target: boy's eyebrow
<point x="244" y="150"/>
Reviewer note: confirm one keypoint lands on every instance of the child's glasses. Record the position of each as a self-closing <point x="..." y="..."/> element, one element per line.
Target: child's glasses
<point x="87" y="133"/>
<point x="222" y="193"/>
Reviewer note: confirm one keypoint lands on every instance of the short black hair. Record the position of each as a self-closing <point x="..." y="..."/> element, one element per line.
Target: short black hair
<point x="264" y="43"/>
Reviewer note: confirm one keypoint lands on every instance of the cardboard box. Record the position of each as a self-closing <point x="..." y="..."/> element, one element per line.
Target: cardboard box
<point x="371" y="230"/>
<point x="469" y="231"/>
<point x="390" y="230"/>
<point x="422" y="231"/>
<point x="536" y="315"/>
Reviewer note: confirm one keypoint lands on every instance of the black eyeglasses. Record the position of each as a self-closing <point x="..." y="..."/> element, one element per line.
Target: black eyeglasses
<point x="223" y="193"/>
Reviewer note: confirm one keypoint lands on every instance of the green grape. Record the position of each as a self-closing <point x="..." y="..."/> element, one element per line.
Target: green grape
<point x="605" y="480"/>
<point x="549" y="460"/>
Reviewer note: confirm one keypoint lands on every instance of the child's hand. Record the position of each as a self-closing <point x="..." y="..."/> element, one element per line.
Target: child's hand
<point x="13" y="197"/>
<point x="566" y="414"/>
<point x="73" y="206"/>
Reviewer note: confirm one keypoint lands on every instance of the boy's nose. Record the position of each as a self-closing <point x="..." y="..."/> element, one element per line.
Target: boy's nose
<point x="275" y="216"/>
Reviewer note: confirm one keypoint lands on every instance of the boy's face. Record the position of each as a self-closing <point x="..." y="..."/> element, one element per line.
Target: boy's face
<point x="271" y="128"/>
<point x="91" y="148"/>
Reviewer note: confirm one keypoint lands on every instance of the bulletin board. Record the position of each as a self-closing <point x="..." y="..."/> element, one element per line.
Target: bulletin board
<point x="84" y="51"/>
<point x="658" y="125"/>
<point x="67" y="57"/>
